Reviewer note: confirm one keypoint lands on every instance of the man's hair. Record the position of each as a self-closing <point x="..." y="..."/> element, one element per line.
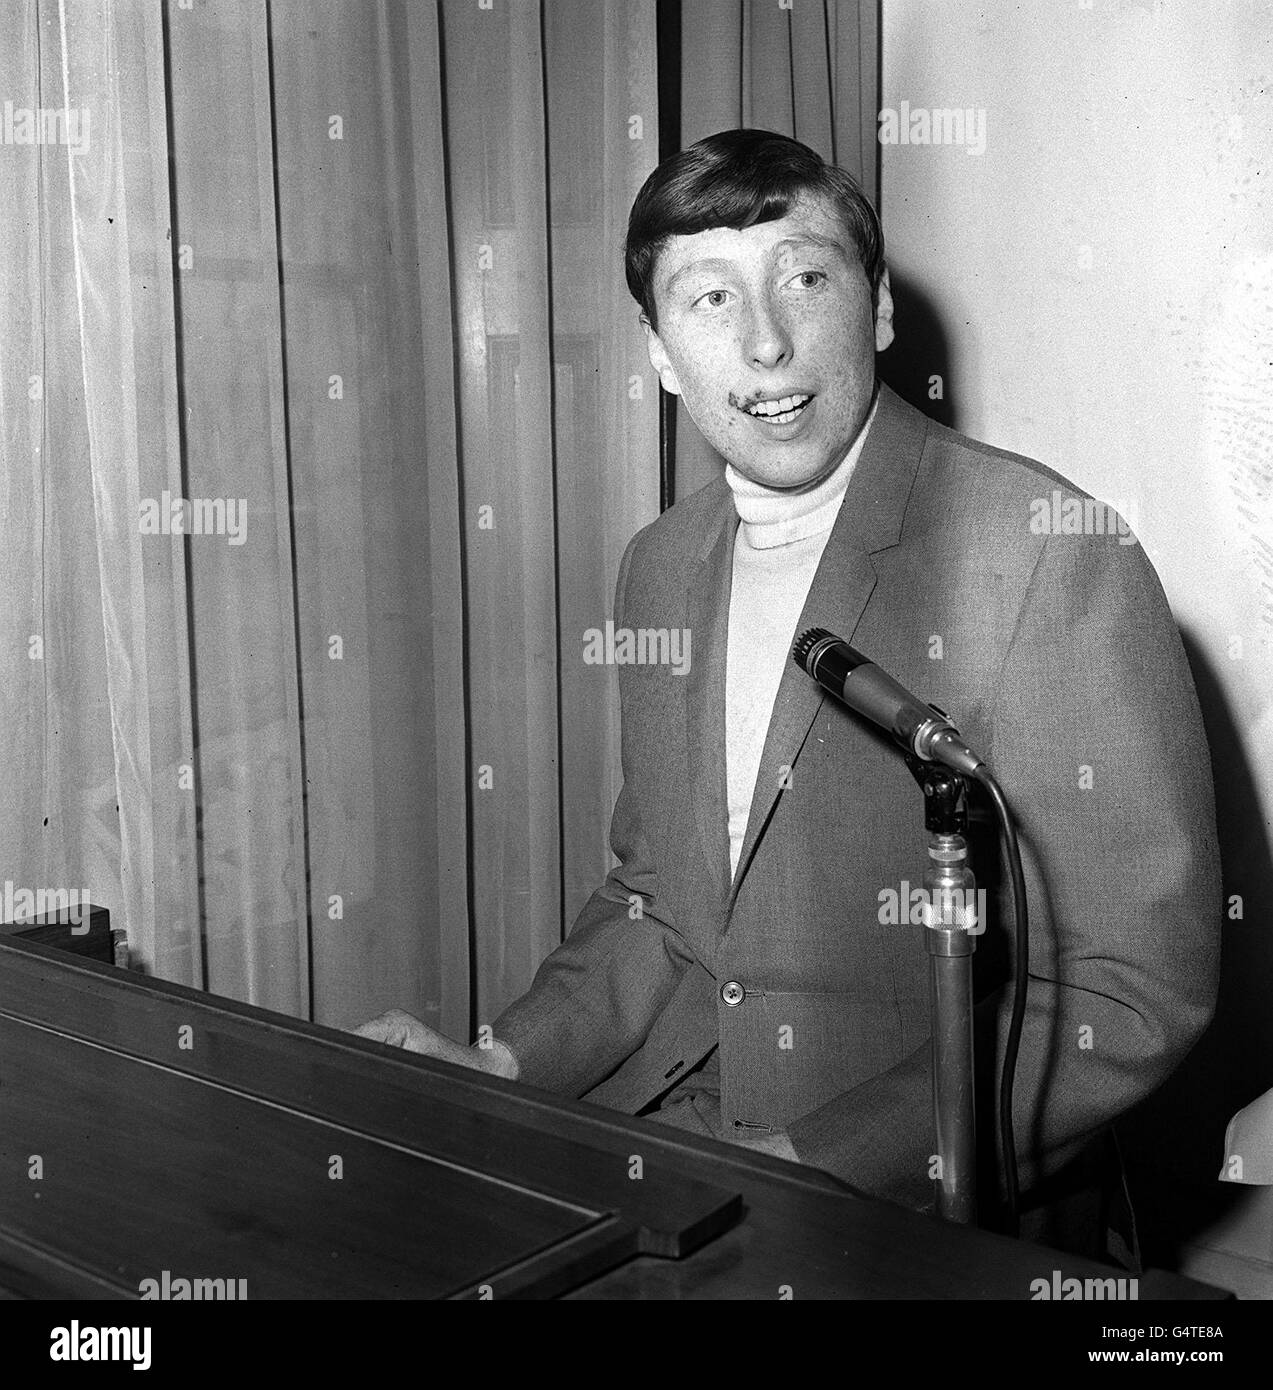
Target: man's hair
<point x="736" y="179"/>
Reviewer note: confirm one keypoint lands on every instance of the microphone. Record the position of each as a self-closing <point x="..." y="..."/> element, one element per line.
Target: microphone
<point x="856" y="680"/>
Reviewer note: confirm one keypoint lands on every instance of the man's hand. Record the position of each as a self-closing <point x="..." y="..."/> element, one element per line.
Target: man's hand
<point x="399" y="1029"/>
<point x="775" y="1143"/>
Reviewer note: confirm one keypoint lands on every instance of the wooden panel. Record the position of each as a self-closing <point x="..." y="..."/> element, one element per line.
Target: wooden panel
<point x="176" y="1132"/>
<point x="210" y="1159"/>
<point x="133" y="1185"/>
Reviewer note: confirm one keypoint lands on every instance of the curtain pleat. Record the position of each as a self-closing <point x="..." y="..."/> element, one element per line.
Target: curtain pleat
<point x="376" y="512"/>
<point x="246" y="766"/>
<point x="558" y="441"/>
<point x="99" y="721"/>
<point x="99" y="271"/>
<point x="501" y="252"/>
<point x="57" y="747"/>
<point x="448" y="896"/>
<point x="603" y="147"/>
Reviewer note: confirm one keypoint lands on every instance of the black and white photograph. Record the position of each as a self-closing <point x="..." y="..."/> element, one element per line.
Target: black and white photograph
<point x="638" y="667"/>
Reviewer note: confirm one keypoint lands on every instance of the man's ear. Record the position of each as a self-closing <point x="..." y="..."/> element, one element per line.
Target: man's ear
<point x="883" y="313"/>
<point x="659" y="359"/>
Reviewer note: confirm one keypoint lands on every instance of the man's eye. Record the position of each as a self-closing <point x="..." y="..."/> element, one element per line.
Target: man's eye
<point x="809" y="279"/>
<point x="714" y="299"/>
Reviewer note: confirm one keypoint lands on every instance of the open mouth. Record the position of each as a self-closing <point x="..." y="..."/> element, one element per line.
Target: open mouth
<point x="779" y="412"/>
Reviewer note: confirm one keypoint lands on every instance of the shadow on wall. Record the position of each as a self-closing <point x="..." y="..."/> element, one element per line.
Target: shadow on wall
<point x="920" y="352"/>
<point x="1174" y="1142"/>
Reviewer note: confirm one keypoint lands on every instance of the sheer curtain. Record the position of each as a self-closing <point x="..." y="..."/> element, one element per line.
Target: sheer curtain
<point x="344" y="277"/>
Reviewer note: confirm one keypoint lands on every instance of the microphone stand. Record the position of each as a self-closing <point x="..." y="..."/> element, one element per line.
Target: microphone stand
<point x="940" y="761"/>
<point x="952" y="925"/>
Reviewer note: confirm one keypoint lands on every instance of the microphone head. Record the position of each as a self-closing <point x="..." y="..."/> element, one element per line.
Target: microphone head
<point x="802" y="652"/>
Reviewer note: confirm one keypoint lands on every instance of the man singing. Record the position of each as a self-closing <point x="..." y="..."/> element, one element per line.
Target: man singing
<point x="736" y="974"/>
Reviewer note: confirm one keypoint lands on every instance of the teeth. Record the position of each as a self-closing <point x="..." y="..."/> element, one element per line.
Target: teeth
<point x="779" y="411"/>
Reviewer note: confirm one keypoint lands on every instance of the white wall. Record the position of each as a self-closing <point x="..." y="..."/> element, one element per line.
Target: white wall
<point x="1096" y="290"/>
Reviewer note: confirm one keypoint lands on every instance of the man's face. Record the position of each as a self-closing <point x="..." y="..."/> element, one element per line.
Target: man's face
<point x="778" y="316"/>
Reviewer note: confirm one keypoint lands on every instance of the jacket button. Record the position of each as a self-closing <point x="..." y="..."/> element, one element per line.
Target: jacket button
<point x="732" y="992"/>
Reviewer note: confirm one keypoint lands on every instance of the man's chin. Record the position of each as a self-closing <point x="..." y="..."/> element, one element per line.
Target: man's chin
<point x="784" y="475"/>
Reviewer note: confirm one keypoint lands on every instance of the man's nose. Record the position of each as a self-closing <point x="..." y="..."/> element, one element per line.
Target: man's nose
<point x="769" y="341"/>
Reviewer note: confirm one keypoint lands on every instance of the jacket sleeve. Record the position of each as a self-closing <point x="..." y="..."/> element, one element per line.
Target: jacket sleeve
<point x="1096" y="738"/>
<point x="594" y="999"/>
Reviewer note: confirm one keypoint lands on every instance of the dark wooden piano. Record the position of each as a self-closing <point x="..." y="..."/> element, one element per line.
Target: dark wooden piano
<point x="149" y="1131"/>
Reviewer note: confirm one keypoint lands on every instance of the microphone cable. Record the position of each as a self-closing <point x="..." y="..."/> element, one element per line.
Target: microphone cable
<point x="1021" y="983"/>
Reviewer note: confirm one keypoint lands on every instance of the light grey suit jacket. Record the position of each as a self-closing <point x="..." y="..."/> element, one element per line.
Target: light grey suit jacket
<point x="1057" y="657"/>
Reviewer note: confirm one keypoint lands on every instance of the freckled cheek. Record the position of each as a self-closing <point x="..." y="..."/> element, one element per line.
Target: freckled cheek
<point x="708" y="374"/>
<point x="833" y="334"/>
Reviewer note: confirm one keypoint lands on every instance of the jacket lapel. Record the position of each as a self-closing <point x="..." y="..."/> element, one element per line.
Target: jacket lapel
<point x="707" y="614"/>
<point x="869" y="521"/>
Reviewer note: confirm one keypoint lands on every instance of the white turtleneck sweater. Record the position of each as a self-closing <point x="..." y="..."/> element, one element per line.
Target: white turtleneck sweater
<point x="780" y="540"/>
